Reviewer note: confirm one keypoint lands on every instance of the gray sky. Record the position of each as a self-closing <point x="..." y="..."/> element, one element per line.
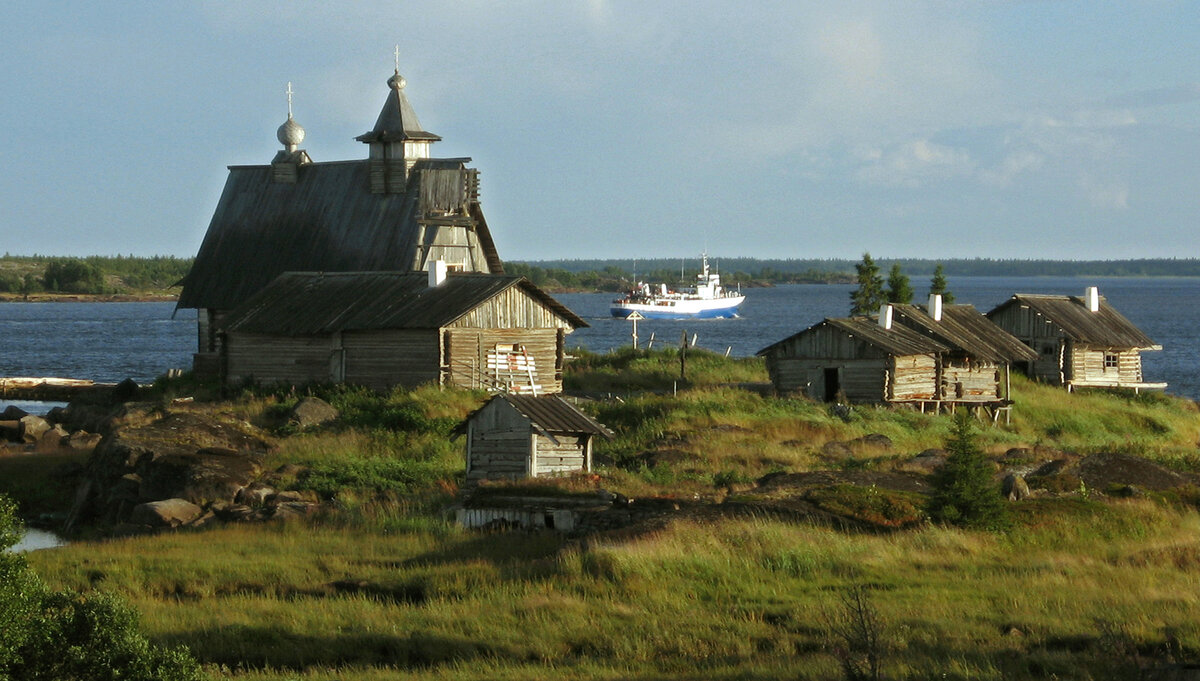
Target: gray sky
<point x="606" y="129"/>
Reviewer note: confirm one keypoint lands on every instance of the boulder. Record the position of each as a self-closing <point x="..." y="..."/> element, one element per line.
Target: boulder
<point x="837" y="451"/>
<point x="255" y="494"/>
<point x="200" y="459"/>
<point x="926" y="462"/>
<point x="125" y="391"/>
<point x="874" y="440"/>
<point x="13" y="413"/>
<point x="293" y="510"/>
<point x="1014" y="487"/>
<point x="311" y="411"/>
<point x="52" y="440"/>
<point x="165" y="513"/>
<point x="83" y="441"/>
<point x="201" y="477"/>
<point x="32" y="428"/>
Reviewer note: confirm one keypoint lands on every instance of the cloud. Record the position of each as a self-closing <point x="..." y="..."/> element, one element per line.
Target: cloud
<point x="915" y="164"/>
<point x="1184" y="93"/>
<point x="1105" y="193"/>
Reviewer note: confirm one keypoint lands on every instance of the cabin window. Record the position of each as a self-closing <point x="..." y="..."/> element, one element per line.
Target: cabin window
<point x="1111" y="361"/>
<point x="1048" y="349"/>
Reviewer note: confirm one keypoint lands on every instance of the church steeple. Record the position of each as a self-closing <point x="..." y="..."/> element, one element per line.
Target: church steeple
<point x="397" y="140"/>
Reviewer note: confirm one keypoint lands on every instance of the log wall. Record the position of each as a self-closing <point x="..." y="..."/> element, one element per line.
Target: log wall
<point x="277" y="359"/>
<point x="1039" y="333"/>
<point x="1087" y="364"/>
<point x="499" y="444"/>
<point x="382" y="359"/>
<point x="569" y="455"/>
<point x="970" y="382"/>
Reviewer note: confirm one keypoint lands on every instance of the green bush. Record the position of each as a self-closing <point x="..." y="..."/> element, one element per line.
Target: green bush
<point x="67" y="636"/>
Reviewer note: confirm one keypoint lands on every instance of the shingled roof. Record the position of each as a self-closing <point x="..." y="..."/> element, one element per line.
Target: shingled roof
<point x="328" y="220"/>
<point x="553" y="414"/>
<point x="898" y="340"/>
<point x="966" y="329"/>
<point x="316" y="303"/>
<point x="1105" y="327"/>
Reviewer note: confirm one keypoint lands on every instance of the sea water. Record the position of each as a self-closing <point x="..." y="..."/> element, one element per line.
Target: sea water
<point x="108" y="342"/>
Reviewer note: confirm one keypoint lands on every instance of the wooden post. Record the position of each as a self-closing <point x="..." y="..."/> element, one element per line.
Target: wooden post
<point x="683" y="346"/>
<point x="634" y="317"/>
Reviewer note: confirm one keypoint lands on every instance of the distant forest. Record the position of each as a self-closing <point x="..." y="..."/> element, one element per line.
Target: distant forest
<point x="26" y="274"/>
<point x="93" y="275"/>
<point x="613" y="275"/>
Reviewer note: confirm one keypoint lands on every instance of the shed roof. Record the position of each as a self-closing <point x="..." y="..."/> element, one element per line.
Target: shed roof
<point x="327" y="221"/>
<point x="1105" y="327"/>
<point x="964" y="328"/>
<point x="314" y="303"/>
<point x="555" y="415"/>
<point x="898" y="340"/>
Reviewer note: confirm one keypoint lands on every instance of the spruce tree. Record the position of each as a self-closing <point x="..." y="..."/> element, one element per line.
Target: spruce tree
<point x="964" y="490"/>
<point x="899" y="289"/>
<point x="869" y="296"/>
<point x="938" y="286"/>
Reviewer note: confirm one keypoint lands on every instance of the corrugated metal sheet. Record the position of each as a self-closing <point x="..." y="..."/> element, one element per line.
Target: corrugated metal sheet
<point x="898" y="340"/>
<point x="327" y="221"/>
<point x="966" y="329"/>
<point x="315" y="303"/>
<point x="1105" y="327"/>
<point x="555" y="415"/>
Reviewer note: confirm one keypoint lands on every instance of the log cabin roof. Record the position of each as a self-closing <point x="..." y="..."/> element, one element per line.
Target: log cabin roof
<point x="327" y="221"/>
<point x="551" y="414"/>
<point x="898" y="340"/>
<point x="317" y="303"/>
<point x="1105" y="327"/>
<point x="966" y="329"/>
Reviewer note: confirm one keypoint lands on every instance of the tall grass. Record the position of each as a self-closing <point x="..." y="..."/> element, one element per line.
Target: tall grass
<point x="694" y="599"/>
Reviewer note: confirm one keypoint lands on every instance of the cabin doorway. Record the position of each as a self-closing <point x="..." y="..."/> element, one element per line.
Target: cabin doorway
<point x="832" y="385"/>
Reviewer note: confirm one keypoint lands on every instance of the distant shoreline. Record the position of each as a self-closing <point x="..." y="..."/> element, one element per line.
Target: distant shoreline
<point x="89" y="298"/>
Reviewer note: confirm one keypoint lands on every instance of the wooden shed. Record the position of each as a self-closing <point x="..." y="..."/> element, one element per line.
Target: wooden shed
<point x="521" y="436"/>
<point x="1079" y="341"/>
<point x="383" y="329"/>
<point x="976" y="368"/>
<point x="396" y="209"/>
<point x="857" y="359"/>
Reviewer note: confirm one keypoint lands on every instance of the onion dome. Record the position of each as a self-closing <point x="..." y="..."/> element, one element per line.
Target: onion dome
<point x="290" y="134"/>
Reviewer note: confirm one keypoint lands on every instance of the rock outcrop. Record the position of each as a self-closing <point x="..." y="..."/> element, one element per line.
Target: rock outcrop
<point x="156" y="470"/>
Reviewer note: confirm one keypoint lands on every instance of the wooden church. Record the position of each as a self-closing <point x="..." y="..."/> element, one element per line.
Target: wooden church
<point x="396" y="209"/>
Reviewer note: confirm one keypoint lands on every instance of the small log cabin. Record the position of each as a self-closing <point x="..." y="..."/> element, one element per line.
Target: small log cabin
<point x="397" y="209"/>
<point x="521" y="436"/>
<point x="386" y="329"/>
<point x="976" y="368"/>
<point x="858" y="360"/>
<point x="1080" y="341"/>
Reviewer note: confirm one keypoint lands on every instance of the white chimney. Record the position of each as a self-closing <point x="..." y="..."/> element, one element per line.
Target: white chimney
<point x="885" y="316"/>
<point x="935" y="306"/>
<point x="1092" y="295"/>
<point x="437" y="272"/>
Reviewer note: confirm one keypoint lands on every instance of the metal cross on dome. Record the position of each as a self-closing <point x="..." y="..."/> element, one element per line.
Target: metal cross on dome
<point x="397" y="53"/>
<point x="289" y="94"/>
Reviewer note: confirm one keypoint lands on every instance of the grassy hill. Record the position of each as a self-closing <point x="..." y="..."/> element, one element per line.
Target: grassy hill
<point x="736" y="580"/>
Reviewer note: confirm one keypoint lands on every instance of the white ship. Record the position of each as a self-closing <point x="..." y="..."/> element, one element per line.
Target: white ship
<point x="706" y="300"/>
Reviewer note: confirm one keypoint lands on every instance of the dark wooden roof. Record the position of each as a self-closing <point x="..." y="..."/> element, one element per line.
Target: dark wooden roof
<point x="316" y="303"/>
<point x="898" y="340"/>
<point x="549" y="414"/>
<point x="397" y="120"/>
<point x="965" y="329"/>
<point x="328" y="221"/>
<point x="1105" y="327"/>
<point x="555" y="415"/>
